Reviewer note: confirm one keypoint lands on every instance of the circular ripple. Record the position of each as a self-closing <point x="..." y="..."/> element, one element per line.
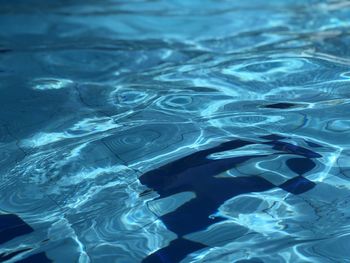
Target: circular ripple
<point x="132" y="97"/>
<point x="338" y="125"/>
<point x="179" y="101"/>
<point x="193" y="104"/>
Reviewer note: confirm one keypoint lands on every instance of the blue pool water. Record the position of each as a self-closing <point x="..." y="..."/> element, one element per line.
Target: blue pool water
<point x="175" y="131"/>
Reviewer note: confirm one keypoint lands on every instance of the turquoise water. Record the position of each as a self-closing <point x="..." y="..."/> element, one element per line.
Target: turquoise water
<point x="174" y="131"/>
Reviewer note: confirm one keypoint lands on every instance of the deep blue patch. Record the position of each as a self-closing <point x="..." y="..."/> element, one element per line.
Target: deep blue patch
<point x="5" y="50"/>
<point x="4" y="257"/>
<point x="294" y="149"/>
<point x="36" y="258"/>
<point x="11" y="226"/>
<point x="174" y="252"/>
<point x="281" y="105"/>
<point x="196" y="173"/>
<point x="298" y="185"/>
<point x="300" y="165"/>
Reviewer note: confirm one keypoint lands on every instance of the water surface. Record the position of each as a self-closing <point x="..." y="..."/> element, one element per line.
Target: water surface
<point x="168" y="131"/>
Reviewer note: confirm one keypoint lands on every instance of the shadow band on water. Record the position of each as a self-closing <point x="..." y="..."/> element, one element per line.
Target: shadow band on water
<point x="11" y="226"/>
<point x="196" y="173"/>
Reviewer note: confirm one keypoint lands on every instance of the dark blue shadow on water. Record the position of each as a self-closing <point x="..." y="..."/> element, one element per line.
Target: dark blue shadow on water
<point x="281" y="105"/>
<point x="196" y="173"/>
<point x="11" y="226"/>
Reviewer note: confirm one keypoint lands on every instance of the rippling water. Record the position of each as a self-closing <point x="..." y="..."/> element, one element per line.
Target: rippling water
<point x="168" y="131"/>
